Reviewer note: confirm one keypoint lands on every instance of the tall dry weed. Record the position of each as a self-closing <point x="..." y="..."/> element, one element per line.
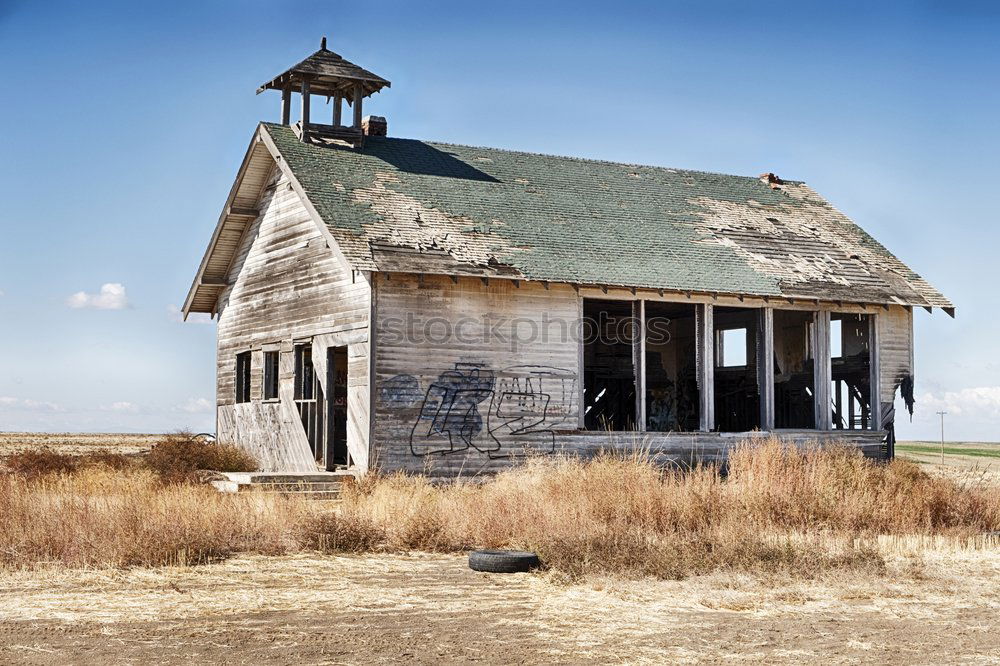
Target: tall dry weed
<point x="779" y="508"/>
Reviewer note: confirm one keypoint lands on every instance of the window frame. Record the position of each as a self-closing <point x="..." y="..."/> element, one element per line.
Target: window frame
<point x="270" y="383"/>
<point x="244" y="365"/>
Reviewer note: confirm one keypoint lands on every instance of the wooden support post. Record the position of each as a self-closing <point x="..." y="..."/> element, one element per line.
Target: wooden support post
<point x="286" y="104"/>
<point x="838" y="404"/>
<point x="706" y="365"/>
<point x="765" y="368"/>
<point x="639" y="367"/>
<point x="357" y="105"/>
<point x="581" y="397"/>
<point x="821" y="369"/>
<point x="337" y="109"/>
<point x="305" y="107"/>
<point x="875" y="398"/>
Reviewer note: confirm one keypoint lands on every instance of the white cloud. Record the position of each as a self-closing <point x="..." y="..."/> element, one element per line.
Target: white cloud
<point x="111" y="297"/>
<point x="27" y="404"/>
<point x="196" y="406"/>
<point x="2" y="293"/>
<point x="175" y="314"/>
<point x="979" y="402"/>
<point x="121" y="407"/>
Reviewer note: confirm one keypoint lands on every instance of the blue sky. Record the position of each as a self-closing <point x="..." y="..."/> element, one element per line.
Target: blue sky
<point x="124" y="124"/>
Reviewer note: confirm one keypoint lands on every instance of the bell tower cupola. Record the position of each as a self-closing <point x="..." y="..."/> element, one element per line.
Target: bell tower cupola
<point x="327" y="74"/>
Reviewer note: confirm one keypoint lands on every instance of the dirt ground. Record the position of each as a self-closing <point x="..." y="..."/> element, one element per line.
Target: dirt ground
<point x="433" y="609"/>
<point x="938" y="603"/>
<point x="76" y="443"/>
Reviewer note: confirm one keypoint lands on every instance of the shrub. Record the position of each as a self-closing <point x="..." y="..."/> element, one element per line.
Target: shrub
<point x="178" y="457"/>
<point x="38" y="462"/>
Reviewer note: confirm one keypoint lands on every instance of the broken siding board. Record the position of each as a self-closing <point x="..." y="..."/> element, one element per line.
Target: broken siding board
<point x="285" y="285"/>
<point x="894" y="337"/>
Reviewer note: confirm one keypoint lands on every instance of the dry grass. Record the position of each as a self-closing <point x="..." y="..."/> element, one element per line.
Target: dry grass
<point x="100" y="517"/>
<point x="781" y="510"/>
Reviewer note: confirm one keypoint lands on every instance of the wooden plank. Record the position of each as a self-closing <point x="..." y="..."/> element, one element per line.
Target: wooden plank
<point x="358" y="96"/>
<point x="765" y="368"/>
<point x="640" y="366"/>
<point x="240" y="211"/>
<point x="337" y="109"/>
<point x="305" y="105"/>
<point x="706" y="365"/>
<point x="286" y="104"/>
<point x="876" y="375"/>
<point x="822" y="370"/>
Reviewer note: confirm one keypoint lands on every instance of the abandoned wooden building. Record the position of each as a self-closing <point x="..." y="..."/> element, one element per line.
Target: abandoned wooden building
<point x="430" y="307"/>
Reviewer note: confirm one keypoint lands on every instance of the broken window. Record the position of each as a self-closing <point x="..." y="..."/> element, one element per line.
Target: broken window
<point x="794" y="382"/>
<point x="243" y="377"/>
<point x="672" y="396"/>
<point x="308" y="397"/>
<point x="737" y="396"/>
<point x="850" y="375"/>
<point x="271" y="375"/>
<point x="608" y="365"/>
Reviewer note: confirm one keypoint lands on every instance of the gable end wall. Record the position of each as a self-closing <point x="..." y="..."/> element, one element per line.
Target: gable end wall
<point x="288" y="287"/>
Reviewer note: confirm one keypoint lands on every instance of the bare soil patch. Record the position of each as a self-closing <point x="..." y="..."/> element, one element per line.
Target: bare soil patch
<point x="78" y="443"/>
<point x="433" y="609"/>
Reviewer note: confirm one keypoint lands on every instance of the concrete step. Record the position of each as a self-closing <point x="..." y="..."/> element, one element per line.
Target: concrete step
<point x="318" y="485"/>
<point x="313" y="494"/>
<point x="333" y="486"/>
<point x="298" y="478"/>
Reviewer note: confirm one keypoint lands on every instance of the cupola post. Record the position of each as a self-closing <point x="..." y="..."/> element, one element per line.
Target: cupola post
<point x="327" y="74"/>
<point x="286" y="104"/>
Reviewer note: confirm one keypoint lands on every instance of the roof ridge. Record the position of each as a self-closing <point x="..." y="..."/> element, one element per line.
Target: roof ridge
<point x="588" y="160"/>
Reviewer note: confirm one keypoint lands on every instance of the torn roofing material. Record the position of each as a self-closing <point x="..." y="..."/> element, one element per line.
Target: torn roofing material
<point x="402" y="205"/>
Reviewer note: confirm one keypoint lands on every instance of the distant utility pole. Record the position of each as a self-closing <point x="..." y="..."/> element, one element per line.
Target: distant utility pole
<point x="942" y="435"/>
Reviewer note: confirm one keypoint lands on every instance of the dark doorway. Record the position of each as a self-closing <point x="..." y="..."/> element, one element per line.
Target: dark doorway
<point x="794" y="383"/>
<point x="850" y="352"/>
<point x="737" y="395"/>
<point x="608" y="366"/>
<point x="672" y="395"/>
<point x="336" y="382"/>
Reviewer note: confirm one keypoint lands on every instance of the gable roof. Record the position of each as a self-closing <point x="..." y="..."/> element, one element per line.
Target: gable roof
<point x="402" y="205"/>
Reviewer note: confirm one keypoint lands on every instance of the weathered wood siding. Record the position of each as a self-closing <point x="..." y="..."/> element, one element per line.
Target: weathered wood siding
<point x="895" y="350"/>
<point x="460" y="388"/>
<point x="287" y="287"/>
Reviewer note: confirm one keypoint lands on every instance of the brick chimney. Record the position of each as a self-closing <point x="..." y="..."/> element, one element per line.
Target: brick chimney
<point x="374" y="126"/>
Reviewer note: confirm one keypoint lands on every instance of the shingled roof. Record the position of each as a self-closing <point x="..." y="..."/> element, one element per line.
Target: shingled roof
<point x="329" y="74"/>
<point x="402" y="205"/>
<point x="562" y="219"/>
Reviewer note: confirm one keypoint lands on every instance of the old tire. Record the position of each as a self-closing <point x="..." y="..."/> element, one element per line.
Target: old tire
<point x="503" y="561"/>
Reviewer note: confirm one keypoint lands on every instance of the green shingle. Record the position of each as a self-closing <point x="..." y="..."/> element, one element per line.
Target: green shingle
<point x="563" y="219"/>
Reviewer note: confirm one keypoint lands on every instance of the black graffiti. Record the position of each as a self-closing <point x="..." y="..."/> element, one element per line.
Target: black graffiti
<point x="515" y="411"/>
